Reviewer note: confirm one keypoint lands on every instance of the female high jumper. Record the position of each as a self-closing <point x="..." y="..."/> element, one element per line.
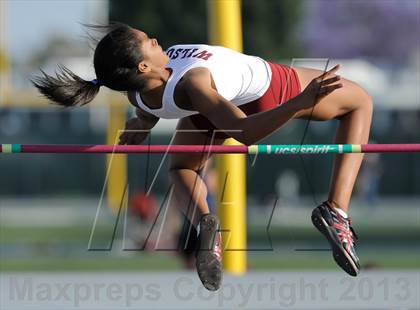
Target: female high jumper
<point x="211" y="89"/>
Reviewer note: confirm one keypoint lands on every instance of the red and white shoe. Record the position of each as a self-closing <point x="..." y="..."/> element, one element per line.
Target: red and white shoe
<point x="209" y="253"/>
<point x="341" y="236"/>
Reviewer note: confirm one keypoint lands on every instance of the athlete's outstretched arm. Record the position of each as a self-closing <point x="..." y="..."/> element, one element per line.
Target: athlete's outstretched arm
<point x="137" y="128"/>
<point x="225" y="115"/>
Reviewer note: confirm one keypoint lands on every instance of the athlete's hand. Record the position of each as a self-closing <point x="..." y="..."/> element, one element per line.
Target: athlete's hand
<point x="320" y="87"/>
<point x="134" y="132"/>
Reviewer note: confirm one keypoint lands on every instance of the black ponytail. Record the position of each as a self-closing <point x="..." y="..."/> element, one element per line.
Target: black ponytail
<point x="116" y="58"/>
<point x="66" y="88"/>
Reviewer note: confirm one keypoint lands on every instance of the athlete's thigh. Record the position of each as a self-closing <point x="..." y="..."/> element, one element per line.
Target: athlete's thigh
<point x="336" y="104"/>
<point x="188" y="134"/>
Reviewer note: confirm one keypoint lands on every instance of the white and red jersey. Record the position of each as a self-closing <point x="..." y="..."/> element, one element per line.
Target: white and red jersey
<point x="239" y="78"/>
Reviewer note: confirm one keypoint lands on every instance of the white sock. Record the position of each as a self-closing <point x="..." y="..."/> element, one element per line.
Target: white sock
<point x="341" y="212"/>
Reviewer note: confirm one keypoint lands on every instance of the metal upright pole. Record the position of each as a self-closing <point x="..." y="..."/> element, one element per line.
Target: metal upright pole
<point x="225" y="28"/>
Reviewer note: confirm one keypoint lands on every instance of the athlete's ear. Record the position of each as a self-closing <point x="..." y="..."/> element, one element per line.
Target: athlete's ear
<point x="143" y="67"/>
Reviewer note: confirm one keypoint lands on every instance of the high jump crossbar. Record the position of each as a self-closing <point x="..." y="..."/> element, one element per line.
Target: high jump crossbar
<point x="275" y="149"/>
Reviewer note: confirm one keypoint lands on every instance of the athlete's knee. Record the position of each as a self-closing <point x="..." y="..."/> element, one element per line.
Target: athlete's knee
<point x="176" y="172"/>
<point x="366" y="107"/>
<point x="368" y="103"/>
<point x="180" y="162"/>
<point x="365" y="101"/>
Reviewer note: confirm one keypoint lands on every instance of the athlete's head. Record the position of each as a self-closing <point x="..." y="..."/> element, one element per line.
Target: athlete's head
<point x="153" y="55"/>
<point x="122" y="59"/>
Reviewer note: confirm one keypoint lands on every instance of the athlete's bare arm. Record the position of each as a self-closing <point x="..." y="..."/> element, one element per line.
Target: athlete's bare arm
<point x="225" y="115"/>
<point x="137" y="128"/>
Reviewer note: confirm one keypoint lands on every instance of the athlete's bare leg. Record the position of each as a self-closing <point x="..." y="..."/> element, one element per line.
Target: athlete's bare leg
<point x="190" y="193"/>
<point x="353" y="107"/>
<point x="190" y="190"/>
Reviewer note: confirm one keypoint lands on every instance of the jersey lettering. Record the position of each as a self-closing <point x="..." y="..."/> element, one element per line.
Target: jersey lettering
<point x="188" y="53"/>
<point x="203" y="55"/>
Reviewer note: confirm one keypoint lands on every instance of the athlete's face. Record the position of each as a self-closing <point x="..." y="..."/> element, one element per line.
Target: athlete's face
<point x="153" y="55"/>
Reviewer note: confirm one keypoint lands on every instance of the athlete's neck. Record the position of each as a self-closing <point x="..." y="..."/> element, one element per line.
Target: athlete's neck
<point x="155" y="80"/>
<point x="154" y="86"/>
